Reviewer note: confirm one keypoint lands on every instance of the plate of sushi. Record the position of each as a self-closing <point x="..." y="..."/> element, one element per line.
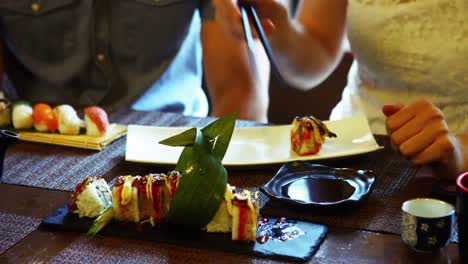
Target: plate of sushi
<point x="306" y="138"/>
<point x="60" y="124"/>
<point x="137" y="207"/>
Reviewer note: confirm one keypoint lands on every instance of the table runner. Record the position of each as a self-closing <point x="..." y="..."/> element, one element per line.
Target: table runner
<point x="381" y="211"/>
<point x="15" y="227"/>
<point x="61" y="168"/>
<point x="101" y="249"/>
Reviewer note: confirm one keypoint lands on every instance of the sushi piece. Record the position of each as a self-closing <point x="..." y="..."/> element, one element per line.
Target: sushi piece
<point x="244" y="217"/>
<point x="91" y="197"/>
<point x="222" y="221"/>
<point x="22" y="115"/>
<point x="171" y="187"/>
<point x="125" y="199"/>
<point x="5" y="113"/>
<point x="308" y="134"/>
<point x="68" y="121"/>
<point x="96" y="121"/>
<point x="44" y="118"/>
<point x="151" y="193"/>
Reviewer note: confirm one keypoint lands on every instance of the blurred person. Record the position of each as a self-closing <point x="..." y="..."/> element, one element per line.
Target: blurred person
<point x="142" y="54"/>
<point x="410" y="64"/>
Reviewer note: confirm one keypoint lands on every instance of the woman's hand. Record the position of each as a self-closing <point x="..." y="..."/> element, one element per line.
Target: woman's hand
<point x="420" y="133"/>
<point x="272" y="15"/>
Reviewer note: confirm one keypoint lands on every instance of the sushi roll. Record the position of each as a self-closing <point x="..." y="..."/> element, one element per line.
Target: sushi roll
<point x="68" y="121"/>
<point x="125" y="199"/>
<point x="171" y="187"/>
<point x="222" y="221"/>
<point x="96" y="121"/>
<point x="151" y="193"/>
<point x="44" y="118"/>
<point x="91" y="197"/>
<point x="308" y="134"/>
<point x="244" y="217"/>
<point x="5" y="113"/>
<point x="22" y="115"/>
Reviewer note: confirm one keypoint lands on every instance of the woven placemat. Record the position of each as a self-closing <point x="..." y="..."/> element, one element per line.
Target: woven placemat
<point x="61" y="168"/>
<point x="381" y="211"/>
<point x="101" y="249"/>
<point x="14" y="227"/>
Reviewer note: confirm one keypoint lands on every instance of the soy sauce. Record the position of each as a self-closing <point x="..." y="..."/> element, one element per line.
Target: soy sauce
<point x="318" y="190"/>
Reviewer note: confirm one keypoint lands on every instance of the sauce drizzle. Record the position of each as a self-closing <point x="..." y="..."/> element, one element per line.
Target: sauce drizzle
<point x="281" y="230"/>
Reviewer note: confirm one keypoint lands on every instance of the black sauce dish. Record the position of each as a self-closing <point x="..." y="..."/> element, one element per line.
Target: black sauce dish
<point x="313" y="185"/>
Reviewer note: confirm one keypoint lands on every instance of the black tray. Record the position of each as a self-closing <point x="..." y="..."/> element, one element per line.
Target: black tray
<point x="301" y="248"/>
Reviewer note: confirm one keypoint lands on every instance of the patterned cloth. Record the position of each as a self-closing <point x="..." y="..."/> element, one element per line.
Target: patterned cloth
<point x="14" y="227"/>
<point x="405" y="51"/>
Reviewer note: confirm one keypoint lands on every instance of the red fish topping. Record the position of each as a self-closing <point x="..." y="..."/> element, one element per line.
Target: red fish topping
<point x="98" y="116"/>
<point x="43" y="114"/>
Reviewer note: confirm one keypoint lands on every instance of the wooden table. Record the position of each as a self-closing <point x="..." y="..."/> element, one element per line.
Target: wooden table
<point x="342" y="245"/>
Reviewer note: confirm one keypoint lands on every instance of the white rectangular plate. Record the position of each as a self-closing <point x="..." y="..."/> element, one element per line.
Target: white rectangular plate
<point x="254" y="145"/>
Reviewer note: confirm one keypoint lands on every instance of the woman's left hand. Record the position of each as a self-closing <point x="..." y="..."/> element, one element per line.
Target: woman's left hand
<point x="420" y="133"/>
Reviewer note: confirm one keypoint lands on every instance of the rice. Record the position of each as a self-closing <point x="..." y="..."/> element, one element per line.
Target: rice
<point x="68" y="121"/>
<point x="91" y="128"/>
<point x="22" y="116"/>
<point x="91" y="201"/>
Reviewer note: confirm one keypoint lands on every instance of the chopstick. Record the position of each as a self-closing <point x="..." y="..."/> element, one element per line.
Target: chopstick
<point x="249" y="40"/>
<point x="249" y="11"/>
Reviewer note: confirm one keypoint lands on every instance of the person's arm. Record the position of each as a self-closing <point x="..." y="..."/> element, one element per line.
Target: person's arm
<point x="420" y="133"/>
<point x="308" y="48"/>
<point x="231" y="83"/>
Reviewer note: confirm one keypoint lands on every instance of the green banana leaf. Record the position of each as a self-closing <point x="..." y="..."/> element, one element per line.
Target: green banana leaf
<point x="204" y="178"/>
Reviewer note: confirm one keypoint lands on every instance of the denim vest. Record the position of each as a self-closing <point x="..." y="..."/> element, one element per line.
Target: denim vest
<point x="144" y="54"/>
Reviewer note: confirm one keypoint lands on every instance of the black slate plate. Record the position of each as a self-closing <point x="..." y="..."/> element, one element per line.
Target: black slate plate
<point x="314" y="185"/>
<point x="300" y="249"/>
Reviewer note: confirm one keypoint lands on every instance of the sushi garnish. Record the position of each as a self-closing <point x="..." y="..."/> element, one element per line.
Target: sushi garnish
<point x="97" y="121"/>
<point x="102" y="220"/>
<point x="44" y="118"/>
<point x="308" y="134"/>
<point x="68" y="121"/>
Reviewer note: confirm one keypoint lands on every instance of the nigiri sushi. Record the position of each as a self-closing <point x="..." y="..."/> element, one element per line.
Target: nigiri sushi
<point x="44" y="118"/>
<point x="91" y="197"/>
<point x="5" y="113"/>
<point x="22" y="115"/>
<point x="68" y="121"/>
<point x="96" y="121"/>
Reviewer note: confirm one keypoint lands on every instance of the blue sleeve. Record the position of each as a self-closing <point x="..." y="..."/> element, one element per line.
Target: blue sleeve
<point x="206" y="10"/>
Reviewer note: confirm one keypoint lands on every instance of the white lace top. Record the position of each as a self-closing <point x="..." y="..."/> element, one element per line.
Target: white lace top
<point x="405" y="50"/>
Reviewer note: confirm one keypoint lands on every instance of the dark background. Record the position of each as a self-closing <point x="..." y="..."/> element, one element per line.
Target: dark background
<point x="287" y="103"/>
